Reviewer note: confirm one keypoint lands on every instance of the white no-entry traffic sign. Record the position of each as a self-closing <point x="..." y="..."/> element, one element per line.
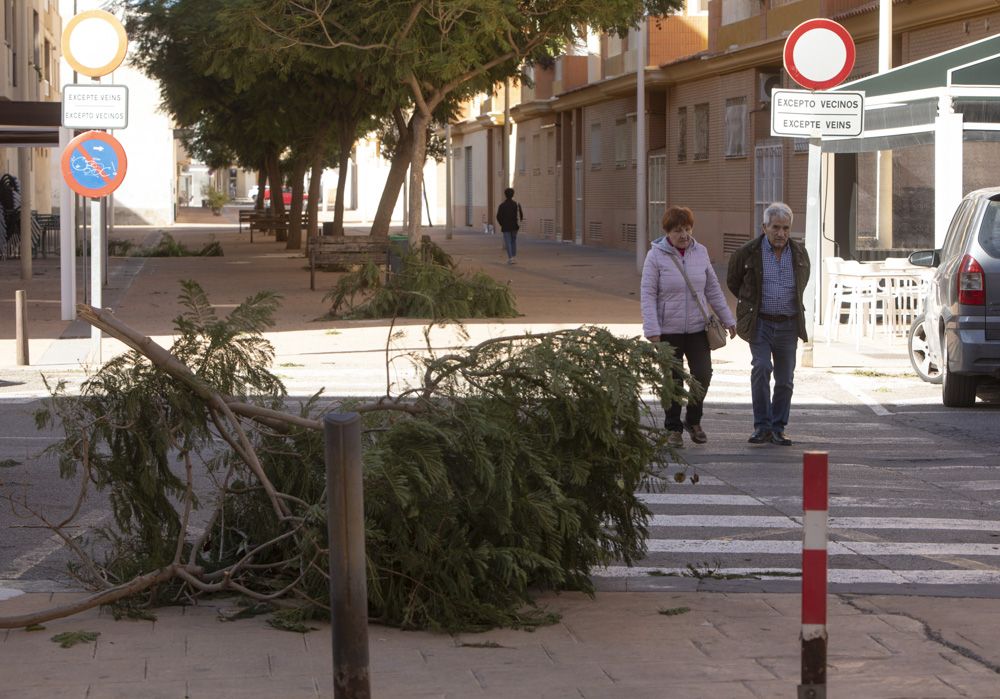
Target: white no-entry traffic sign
<point x="819" y="54"/>
<point x="94" y="43"/>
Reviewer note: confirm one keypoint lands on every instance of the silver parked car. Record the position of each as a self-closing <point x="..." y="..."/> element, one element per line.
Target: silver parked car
<point x="957" y="339"/>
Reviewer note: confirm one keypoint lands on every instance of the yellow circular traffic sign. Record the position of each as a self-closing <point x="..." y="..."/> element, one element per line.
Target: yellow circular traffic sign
<point x="94" y="43"/>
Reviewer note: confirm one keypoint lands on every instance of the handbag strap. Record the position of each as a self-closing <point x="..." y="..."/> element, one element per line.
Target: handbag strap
<point x="690" y="287"/>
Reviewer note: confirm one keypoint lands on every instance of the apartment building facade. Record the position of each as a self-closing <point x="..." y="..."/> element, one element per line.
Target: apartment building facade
<point x="709" y="72"/>
<point x="29" y="72"/>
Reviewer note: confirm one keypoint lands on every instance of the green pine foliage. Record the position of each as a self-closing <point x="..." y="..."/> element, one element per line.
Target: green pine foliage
<point x="168" y="246"/>
<point x="428" y="286"/>
<point x="512" y="469"/>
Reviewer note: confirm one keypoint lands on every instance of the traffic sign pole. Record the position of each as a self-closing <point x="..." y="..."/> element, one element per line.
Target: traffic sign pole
<point x="93" y="165"/>
<point x="818" y="55"/>
<point x="96" y="274"/>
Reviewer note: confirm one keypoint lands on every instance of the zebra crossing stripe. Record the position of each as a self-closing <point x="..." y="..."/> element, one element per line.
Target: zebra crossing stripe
<point x="790" y="522"/>
<point x="834" y="548"/>
<point x="835" y="576"/>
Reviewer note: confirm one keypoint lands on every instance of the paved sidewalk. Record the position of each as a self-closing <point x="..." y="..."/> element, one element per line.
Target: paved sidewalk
<point x="615" y="645"/>
<point x="621" y="645"/>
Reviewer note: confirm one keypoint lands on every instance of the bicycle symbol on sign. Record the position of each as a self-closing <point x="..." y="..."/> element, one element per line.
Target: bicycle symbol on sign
<point x="94" y="166"/>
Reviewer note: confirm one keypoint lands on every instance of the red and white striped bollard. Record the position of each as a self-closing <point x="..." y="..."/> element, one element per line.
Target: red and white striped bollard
<point x="815" y="506"/>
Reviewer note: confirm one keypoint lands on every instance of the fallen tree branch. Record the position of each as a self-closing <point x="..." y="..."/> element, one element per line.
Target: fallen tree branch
<point x="113" y="594"/>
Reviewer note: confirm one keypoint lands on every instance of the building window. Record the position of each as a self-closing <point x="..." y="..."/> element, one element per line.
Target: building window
<point x="701" y="131"/>
<point x="10" y="39"/>
<point x="682" y="134"/>
<point x="36" y="44"/>
<point x="739" y="10"/>
<point x="595" y="146"/>
<point x="769" y="178"/>
<point x="536" y="154"/>
<point x="622" y="143"/>
<point x="550" y="151"/>
<point x="632" y="141"/>
<point x="736" y="127"/>
<point x="521" y="155"/>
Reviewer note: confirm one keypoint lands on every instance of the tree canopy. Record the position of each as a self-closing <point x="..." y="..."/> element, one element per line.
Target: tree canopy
<point x="284" y="70"/>
<point x="444" y="49"/>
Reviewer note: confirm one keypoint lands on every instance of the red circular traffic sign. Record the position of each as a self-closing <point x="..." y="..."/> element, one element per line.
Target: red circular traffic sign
<point x="819" y="54"/>
<point x="94" y="164"/>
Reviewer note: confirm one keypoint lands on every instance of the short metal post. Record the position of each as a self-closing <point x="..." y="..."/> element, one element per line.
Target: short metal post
<point x="346" y="528"/>
<point x="21" y="326"/>
<point x="312" y="264"/>
<point x="815" y="506"/>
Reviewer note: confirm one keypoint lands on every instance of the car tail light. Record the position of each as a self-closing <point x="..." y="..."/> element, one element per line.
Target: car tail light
<point x="971" y="282"/>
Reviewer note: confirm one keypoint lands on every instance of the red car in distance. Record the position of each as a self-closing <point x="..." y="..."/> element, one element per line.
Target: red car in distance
<point x="286" y="195"/>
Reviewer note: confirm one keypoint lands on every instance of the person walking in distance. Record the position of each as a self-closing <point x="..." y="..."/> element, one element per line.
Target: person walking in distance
<point x="768" y="276"/>
<point x="671" y="313"/>
<point x="509" y="217"/>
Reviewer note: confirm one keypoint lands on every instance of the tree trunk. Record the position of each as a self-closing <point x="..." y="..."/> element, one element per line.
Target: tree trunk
<point x="315" y="192"/>
<point x="277" y="184"/>
<point x="345" y="142"/>
<point x="258" y="204"/>
<point x="394" y="181"/>
<point x="295" y="208"/>
<point x="419" y="124"/>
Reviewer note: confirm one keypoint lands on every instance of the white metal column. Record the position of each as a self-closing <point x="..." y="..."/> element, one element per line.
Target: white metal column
<point x="641" y="240"/>
<point x="67" y="241"/>
<point x="947" y="167"/>
<point x="657" y="194"/>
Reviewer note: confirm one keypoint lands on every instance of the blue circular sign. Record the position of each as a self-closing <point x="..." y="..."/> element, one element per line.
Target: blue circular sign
<point x="94" y="164"/>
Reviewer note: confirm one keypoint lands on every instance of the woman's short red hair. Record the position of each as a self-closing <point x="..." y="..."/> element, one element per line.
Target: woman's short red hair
<point x="677" y="217"/>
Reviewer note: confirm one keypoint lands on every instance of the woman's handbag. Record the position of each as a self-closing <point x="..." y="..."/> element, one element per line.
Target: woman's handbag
<point x="717" y="334"/>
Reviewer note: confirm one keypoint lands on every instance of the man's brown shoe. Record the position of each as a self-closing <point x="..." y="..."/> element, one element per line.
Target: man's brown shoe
<point x="698" y="435"/>
<point x="675" y="440"/>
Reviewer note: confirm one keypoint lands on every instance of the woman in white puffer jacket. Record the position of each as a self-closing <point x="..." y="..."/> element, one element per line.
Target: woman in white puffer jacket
<point x="670" y="313"/>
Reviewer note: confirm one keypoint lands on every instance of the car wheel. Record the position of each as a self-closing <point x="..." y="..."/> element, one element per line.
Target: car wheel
<point x="923" y="359"/>
<point x="957" y="390"/>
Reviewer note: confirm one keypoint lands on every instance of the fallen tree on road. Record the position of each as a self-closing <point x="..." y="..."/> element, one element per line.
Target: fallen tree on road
<point x="512" y="467"/>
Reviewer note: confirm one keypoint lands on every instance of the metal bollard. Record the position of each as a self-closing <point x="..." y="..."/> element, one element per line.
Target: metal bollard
<point x="815" y="506"/>
<point x="346" y="528"/>
<point x="21" y="326"/>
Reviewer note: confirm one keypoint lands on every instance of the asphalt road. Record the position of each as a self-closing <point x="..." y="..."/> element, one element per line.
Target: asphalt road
<point x="913" y="489"/>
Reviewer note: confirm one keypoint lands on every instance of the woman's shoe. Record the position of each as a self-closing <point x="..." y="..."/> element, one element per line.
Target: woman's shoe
<point x="698" y="435"/>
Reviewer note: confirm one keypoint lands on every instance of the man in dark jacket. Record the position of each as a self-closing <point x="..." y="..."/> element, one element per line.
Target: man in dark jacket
<point x="509" y="216"/>
<point x="768" y="276"/>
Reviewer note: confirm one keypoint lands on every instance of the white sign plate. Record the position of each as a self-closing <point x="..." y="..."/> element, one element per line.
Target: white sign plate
<point x="814" y="114"/>
<point x="95" y="106"/>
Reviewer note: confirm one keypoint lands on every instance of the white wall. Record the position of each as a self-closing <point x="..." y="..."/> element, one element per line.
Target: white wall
<point x="372" y="173"/>
<point x="148" y="193"/>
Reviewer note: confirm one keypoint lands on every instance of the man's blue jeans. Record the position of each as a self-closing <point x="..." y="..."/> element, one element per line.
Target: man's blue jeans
<point x="510" y="243"/>
<point x="773" y="351"/>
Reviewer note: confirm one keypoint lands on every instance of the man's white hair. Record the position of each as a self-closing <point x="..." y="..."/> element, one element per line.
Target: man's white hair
<point x="778" y="209"/>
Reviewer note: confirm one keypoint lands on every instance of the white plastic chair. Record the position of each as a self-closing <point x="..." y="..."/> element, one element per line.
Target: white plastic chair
<point x="866" y="301"/>
<point x="907" y="292"/>
<point x="831" y="269"/>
